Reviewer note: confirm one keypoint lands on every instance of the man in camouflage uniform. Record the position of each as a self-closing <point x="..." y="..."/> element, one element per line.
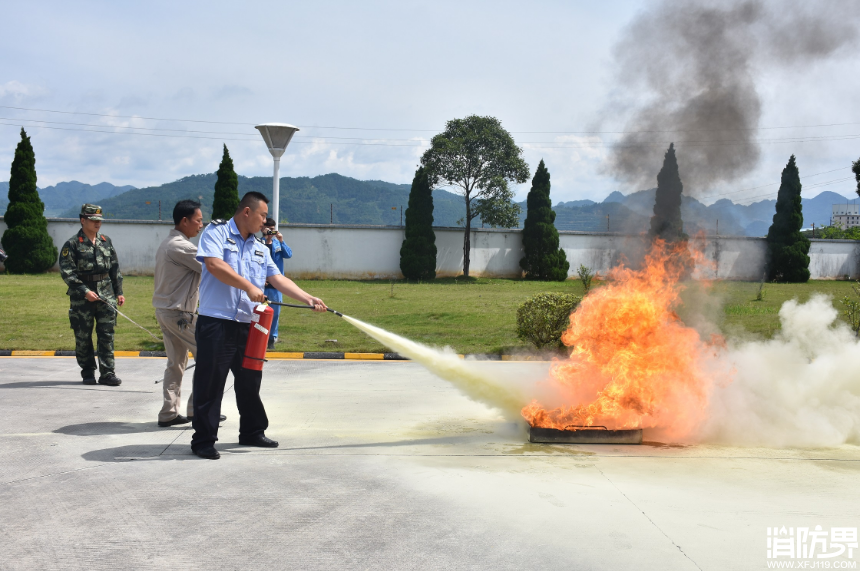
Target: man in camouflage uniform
<point x="89" y="266"/>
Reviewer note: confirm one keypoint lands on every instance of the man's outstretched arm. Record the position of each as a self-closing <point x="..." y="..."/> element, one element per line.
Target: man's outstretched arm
<point x="289" y="288"/>
<point x="225" y="274"/>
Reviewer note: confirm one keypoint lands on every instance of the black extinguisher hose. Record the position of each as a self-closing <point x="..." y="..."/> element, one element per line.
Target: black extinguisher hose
<point x="270" y="302"/>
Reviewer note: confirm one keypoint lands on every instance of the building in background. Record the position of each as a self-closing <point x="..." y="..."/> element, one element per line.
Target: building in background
<point x="845" y="216"/>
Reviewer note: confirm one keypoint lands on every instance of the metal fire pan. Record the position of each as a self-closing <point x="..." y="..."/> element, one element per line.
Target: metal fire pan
<point x="584" y="435"/>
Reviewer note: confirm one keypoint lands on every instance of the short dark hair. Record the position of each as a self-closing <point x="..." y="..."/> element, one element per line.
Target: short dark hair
<point x="251" y="200"/>
<point x="184" y="209"/>
<point x="269" y="222"/>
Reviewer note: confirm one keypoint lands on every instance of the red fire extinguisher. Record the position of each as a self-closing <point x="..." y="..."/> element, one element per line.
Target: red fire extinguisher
<point x="258" y="338"/>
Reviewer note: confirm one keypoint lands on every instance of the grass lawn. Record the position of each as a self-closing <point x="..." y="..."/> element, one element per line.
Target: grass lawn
<point x="471" y="317"/>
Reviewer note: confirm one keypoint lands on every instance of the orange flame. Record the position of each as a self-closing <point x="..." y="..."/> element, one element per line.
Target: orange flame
<point x="634" y="364"/>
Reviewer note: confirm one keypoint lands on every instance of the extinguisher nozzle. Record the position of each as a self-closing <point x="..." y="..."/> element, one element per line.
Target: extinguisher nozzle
<point x="339" y="314"/>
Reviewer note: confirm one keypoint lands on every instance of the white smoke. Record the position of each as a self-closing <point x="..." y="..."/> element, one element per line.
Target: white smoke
<point x="800" y="389"/>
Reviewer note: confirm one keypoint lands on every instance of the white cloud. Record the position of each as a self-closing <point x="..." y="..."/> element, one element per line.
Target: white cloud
<point x="17" y="93"/>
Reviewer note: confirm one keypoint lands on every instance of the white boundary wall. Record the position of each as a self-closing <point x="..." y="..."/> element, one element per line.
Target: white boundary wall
<point x="373" y="252"/>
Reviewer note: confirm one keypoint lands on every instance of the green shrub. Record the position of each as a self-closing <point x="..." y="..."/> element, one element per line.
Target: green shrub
<point x="762" y="293"/>
<point x="852" y="309"/>
<point x="543" y="318"/>
<point x="585" y="276"/>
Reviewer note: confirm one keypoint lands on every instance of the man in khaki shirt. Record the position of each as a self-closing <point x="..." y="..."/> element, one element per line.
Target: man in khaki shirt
<point x="177" y="280"/>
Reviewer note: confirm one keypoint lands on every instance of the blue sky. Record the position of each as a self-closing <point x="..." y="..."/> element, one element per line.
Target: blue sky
<point x="387" y="74"/>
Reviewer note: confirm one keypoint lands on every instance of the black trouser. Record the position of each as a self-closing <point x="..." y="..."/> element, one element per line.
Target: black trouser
<point x="220" y="348"/>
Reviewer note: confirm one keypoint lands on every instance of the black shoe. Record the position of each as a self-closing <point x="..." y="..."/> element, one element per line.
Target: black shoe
<point x="258" y="440"/>
<point x="173" y="422"/>
<point x="110" y="380"/>
<point x="271" y="346"/>
<point x="91" y="380"/>
<point x="207" y="452"/>
<point x="222" y="418"/>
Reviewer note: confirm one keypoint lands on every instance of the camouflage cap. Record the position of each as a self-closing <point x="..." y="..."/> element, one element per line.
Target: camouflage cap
<point x="91" y="211"/>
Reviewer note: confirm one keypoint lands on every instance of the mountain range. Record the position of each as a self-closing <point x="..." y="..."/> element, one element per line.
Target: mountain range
<point x="64" y="196"/>
<point x="318" y="200"/>
<point x="343" y="200"/>
<point x="733" y="219"/>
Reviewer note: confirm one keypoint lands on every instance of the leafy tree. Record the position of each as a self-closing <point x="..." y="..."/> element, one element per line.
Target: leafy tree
<point x="836" y="233"/>
<point x="855" y="168"/>
<point x="666" y="223"/>
<point x="478" y="157"/>
<point x="418" y="252"/>
<point x="226" y="199"/>
<point x="787" y="248"/>
<point x="26" y="240"/>
<point x="544" y="260"/>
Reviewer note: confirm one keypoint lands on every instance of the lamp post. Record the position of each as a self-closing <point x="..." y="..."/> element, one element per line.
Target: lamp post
<point x="277" y="136"/>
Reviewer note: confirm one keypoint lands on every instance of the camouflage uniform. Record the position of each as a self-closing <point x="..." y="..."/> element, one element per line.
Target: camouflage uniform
<point x="85" y="266"/>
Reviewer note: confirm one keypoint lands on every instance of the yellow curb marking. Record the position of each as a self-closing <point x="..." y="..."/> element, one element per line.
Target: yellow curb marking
<point x="365" y="356"/>
<point x="32" y="353"/>
<point x="284" y="355"/>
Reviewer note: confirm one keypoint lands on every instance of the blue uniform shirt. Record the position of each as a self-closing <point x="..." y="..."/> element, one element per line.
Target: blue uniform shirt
<point x="249" y="258"/>
<point x="280" y="251"/>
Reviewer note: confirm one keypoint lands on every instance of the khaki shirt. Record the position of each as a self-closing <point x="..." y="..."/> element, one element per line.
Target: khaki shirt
<point x="177" y="274"/>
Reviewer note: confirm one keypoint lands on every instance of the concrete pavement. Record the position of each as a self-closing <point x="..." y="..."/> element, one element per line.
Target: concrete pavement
<point x="381" y="466"/>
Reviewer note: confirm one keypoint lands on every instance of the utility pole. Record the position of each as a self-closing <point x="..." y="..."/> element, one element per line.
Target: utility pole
<point x="718" y="226"/>
<point x="159" y="211"/>
<point x="401" y="215"/>
<point x="813" y="229"/>
<point x="331" y="213"/>
<point x="607" y="223"/>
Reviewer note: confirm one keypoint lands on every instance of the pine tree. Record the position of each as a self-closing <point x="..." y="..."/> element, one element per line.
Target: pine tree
<point x="226" y="199"/>
<point x="544" y="260"/>
<point x="787" y="248"/>
<point x="418" y="252"/>
<point x="26" y="240"/>
<point x="666" y="223"/>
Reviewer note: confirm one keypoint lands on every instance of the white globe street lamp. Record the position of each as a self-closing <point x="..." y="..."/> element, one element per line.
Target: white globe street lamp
<point x="277" y="137"/>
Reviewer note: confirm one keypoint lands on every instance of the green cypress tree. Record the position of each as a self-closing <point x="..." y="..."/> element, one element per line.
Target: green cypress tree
<point x="666" y="223"/>
<point x="26" y="240"/>
<point x="787" y="248"/>
<point x="544" y="260"/>
<point x="226" y="199"/>
<point x="418" y="252"/>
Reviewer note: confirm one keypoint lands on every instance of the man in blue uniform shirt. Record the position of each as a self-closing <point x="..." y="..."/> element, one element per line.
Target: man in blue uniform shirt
<point x="279" y="251"/>
<point x="236" y="265"/>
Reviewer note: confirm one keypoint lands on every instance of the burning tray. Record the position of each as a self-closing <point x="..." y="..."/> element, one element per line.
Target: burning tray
<point x="584" y="435"/>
